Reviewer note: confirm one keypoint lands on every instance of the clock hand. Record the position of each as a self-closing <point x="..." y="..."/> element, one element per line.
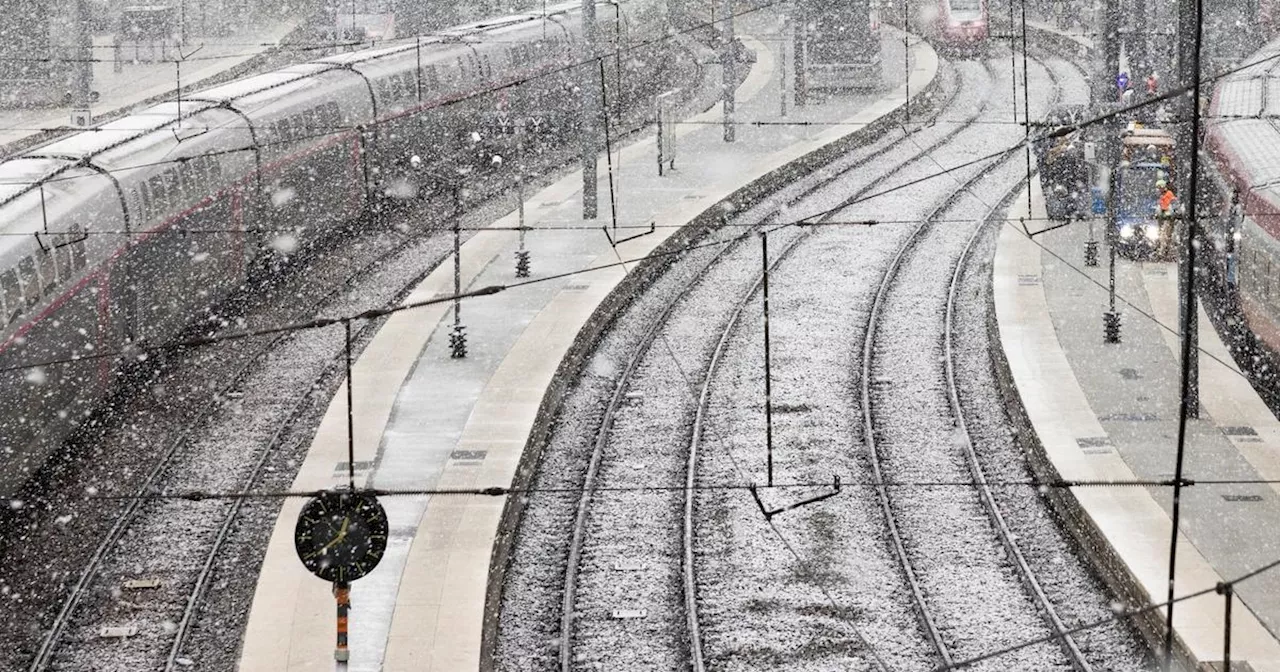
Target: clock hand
<point x="342" y="534"/>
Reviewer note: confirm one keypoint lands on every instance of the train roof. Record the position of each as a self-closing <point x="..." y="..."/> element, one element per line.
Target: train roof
<point x="30" y="169"/>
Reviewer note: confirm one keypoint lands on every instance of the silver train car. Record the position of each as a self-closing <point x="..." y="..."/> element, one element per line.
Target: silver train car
<point x="91" y="256"/>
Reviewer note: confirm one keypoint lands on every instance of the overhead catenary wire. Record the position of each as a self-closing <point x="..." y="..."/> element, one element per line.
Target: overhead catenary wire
<point x="504" y="491"/>
<point x="139" y="348"/>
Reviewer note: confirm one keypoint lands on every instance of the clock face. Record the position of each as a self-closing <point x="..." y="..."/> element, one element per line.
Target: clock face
<point x="341" y="535"/>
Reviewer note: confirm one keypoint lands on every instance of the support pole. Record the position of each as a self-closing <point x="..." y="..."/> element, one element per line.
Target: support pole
<point x="80" y="115"/>
<point x="906" y="59"/>
<point x="608" y="151"/>
<point x="1190" y="24"/>
<point x="768" y="362"/>
<point x="728" y="61"/>
<point x="590" y="143"/>
<point x="1111" y="318"/>
<point x="1104" y="84"/>
<point x="800" y="54"/>
<point x="1026" y="104"/>
<point x="1228" y="593"/>
<point x="342" y="593"/>
<point x="351" y="413"/>
<point x="782" y="65"/>
<point x="522" y="254"/>
<point x="458" y="337"/>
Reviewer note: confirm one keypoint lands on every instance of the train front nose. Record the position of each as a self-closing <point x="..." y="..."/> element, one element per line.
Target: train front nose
<point x="973" y="31"/>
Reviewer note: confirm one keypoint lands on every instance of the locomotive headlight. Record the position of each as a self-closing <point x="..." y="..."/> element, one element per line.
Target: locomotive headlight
<point x="1236" y="236"/>
<point x="1153" y="232"/>
<point x="1126" y="231"/>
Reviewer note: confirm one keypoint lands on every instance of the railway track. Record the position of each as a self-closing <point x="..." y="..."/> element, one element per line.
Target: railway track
<point x="900" y="293"/>
<point x="100" y="575"/>
<point x="648" y="577"/>
<point x="161" y="618"/>
<point x="624" y="390"/>
<point x="195" y="459"/>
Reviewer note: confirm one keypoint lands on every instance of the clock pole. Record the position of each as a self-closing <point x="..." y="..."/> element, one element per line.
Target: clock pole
<point x="342" y="591"/>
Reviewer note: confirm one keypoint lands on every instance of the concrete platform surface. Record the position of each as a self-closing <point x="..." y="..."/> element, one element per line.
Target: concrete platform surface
<point x="136" y="82"/>
<point x="1110" y="412"/>
<point x="424" y="420"/>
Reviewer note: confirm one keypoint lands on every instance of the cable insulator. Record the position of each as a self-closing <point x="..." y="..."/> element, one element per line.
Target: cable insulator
<point x="522" y="263"/>
<point x="458" y="342"/>
<point x="1111" y="326"/>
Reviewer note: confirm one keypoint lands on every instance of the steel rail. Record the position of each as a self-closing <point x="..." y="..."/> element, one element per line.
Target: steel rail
<point x="569" y="597"/>
<point x="94" y="565"/>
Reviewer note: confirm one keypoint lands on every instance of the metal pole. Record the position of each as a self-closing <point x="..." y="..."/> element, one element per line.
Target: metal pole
<point x="457" y="338"/>
<point x="1026" y="104"/>
<point x="728" y="60"/>
<point x="590" y="148"/>
<point x="1110" y="29"/>
<point x="782" y="66"/>
<point x="84" y="59"/>
<point x="800" y="54"/>
<point x="906" y="58"/>
<point x="608" y="152"/>
<point x="1013" y="64"/>
<point x="342" y="592"/>
<point x="768" y="368"/>
<point x="1191" y="21"/>
<point x="1227" y="592"/>
<point x="1111" y="319"/>
<point x="351" y="412"/>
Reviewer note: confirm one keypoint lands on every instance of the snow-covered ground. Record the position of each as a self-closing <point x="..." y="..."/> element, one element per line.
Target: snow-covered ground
<point x="817" y="587"/>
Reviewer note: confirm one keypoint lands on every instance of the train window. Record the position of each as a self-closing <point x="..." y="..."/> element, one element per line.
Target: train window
<point x="66" y="263"/>
<point x="146" y="198"/>
<point x="11" y="290"/>
<point x="46" y="268"/>
<point x="159" y="195"/>
<point x="30" y="283"/>
<point x="77" y="249"/>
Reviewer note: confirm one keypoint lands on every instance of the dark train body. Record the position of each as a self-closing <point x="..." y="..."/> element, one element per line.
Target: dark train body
<point x="93" y="258"/>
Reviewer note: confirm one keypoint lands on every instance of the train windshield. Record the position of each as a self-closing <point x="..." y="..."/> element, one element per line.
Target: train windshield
<point x="966" y="5"/>
<point x="1139" y="193"/>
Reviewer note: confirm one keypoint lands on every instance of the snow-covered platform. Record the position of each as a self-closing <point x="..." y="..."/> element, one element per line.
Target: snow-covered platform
<point x="124" y="83"/>
<point x="423" y="420"/>
<point x="1103" y="411"/>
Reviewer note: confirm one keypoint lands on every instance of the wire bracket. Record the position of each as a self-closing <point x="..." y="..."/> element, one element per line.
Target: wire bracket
<point x="770" y="513"/>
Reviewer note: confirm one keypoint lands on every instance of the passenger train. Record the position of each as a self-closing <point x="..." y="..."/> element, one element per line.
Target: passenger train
<point x="93" y="255"/>
<point x="957" y="26"/>
<point x="1244" y="140"/>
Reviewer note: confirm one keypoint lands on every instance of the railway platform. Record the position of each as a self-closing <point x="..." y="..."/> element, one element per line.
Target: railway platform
<point x="125" y="85"/>
<point x="1109" y="411"/>
<point x="424" y="420"/>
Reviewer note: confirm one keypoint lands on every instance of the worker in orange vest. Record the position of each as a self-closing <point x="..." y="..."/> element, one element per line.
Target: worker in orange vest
<point x="1165" y="218"/>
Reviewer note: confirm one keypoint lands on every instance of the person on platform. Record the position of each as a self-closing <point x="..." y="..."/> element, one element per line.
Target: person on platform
<point x="1164" y="216"/>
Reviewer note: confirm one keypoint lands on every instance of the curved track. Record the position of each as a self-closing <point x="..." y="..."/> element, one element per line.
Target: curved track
<point x="157" y="476"/>
<point x="591" y="492"/>
<point x="902" y="524"/>
<point x="659" y="572"/>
